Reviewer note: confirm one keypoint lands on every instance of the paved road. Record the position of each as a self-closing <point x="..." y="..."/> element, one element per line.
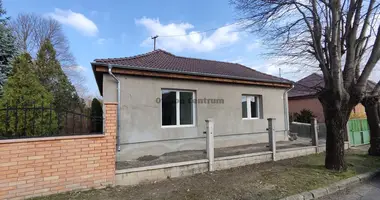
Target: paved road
<point x="366" y="191"/>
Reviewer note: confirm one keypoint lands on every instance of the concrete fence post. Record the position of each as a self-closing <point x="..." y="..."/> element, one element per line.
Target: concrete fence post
<point x="272" y="137"/>
<point x="210" y="143"/>
<point x="314" y="133"/>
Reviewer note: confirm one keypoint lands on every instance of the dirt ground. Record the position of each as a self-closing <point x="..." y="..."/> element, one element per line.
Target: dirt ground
<point x="272" y="180"/>
<point x="180" y="156"/>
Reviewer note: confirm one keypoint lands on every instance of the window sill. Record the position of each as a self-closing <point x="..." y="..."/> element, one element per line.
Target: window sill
<point x="251" y="118"/>
<point x="179" y="126"/>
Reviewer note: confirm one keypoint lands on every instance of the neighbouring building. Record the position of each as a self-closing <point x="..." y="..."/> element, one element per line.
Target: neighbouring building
<point x="165" y="100"/>
<point x="304" y="96"/>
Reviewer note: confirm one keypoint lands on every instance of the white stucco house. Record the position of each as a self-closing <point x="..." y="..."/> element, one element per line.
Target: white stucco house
<point x="165" y="99"/>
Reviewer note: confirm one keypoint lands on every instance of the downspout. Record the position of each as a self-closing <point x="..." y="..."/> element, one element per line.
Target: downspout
<point x="286" y="112"/>
<point x="118" y="107"/>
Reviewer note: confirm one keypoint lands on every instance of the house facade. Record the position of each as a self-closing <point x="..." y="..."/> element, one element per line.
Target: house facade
<point x="165" y="100"/>
<point x="304" y="96"/>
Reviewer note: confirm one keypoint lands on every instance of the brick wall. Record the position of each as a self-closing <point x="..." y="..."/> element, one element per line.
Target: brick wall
<point x="42" y="166"/>
<point x="358" y="112"/>
<point x="313" y="104"/>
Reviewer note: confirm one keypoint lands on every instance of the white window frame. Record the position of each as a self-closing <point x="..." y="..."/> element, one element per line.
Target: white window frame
<point x="178" y="112"/>
<point x="258" y="106"/>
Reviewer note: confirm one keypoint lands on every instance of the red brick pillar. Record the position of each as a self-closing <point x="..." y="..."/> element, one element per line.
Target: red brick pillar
<point x="110" y="133"/>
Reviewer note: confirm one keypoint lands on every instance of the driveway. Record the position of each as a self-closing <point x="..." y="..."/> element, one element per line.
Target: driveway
<point x="366" y="191"/>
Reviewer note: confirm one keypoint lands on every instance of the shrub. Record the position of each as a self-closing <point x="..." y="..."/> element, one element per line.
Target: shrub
<point x="97" y="115"/>
<point x="305" y="116"/>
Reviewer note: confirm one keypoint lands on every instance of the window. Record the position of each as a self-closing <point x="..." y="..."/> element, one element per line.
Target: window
<point x="178" y="108"/>
<point x="251" y="106"/>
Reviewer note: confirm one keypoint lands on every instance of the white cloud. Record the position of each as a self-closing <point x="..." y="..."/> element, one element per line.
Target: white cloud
<point x="189" y="40"/>
<point x="239" y="60"/>
<point x="76" y="20"/>
<point x="102" y="41"/>
<point x="254" y="45"/>
<point x="77" y="68"/>
<point x="289" y="71"/>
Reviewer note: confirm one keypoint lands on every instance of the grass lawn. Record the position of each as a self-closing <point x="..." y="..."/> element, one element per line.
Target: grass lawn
<point x="270" y="180"/>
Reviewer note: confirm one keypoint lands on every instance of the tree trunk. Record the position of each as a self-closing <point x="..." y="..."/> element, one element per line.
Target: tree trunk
<point x="335" y="126"/>
<point x="372" y="109"/>
<point x="336" y="116"/>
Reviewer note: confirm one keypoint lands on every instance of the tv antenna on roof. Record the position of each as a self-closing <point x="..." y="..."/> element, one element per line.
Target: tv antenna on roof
<point x="154" y="39"/>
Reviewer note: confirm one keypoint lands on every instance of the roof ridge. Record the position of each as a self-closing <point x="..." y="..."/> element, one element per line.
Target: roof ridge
<point x="136" y="56"/>
<point x="203" y="59"/>
<point x="263" y="72"/>
<point x="315" y="73"/>
<point x="310" y="76"/>
<point x="298" y="85"/>
<point x="238" y="64"/>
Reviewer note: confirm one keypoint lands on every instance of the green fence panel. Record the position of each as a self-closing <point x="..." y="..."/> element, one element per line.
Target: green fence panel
<point x="359" y="131"/>
<point x="352" y="141"/>
<point x="358" y="140"/>
<point x="365" y="126"/>
<point x="366" y="137"/>
<point x="355" y="125"/>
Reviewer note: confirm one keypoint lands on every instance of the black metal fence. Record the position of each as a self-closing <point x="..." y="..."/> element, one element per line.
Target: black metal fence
<point x="25" y="121"/>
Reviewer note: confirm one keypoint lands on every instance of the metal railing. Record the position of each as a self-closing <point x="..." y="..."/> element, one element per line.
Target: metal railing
<point x="25" y="121"/>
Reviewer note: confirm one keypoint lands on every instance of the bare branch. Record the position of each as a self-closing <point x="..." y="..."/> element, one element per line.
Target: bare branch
<point x="376" y="90"/>
<point x="373" y="59"/>
<point x="330" y="34"/>
<point x="350" y="40"/>
<point x="32" y="30"/>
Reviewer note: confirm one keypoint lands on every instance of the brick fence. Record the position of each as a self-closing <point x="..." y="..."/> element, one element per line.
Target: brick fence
<point x="42" y="166"/>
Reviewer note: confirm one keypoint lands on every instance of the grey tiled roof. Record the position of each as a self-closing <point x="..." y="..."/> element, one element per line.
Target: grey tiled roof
<point x="307" y="86"/>
<point x="314" y="83"/>
<point x="165" y="61"/>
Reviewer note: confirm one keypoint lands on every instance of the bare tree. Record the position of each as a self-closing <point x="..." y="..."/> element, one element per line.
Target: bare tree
<point x="336" y="35"/>
<point x="32" y="30"/>
<point x="372" y="108"/>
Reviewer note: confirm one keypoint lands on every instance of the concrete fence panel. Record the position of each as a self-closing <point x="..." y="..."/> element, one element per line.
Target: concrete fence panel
<point x="304" y="129"/>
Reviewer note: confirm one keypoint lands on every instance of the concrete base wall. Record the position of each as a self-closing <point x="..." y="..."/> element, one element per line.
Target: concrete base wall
<point x="295" y="152"/>
<point x="139" y="175"/>
<point x="242" y="160"/>
<point x="135" y="176"/>
<point x="157" y="148"/>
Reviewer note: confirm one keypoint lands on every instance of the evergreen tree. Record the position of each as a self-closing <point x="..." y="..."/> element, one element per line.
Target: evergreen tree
<point x="3" y="20"/>
<point x="97" y="115"/>
<point x="7" y="49"/>
<point x="23" y="89"/>
<point x="51" y="75"/>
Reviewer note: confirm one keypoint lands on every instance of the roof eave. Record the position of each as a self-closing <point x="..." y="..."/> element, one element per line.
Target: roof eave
<point x="98" y="82"/>
<point x="307" y="96"/>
